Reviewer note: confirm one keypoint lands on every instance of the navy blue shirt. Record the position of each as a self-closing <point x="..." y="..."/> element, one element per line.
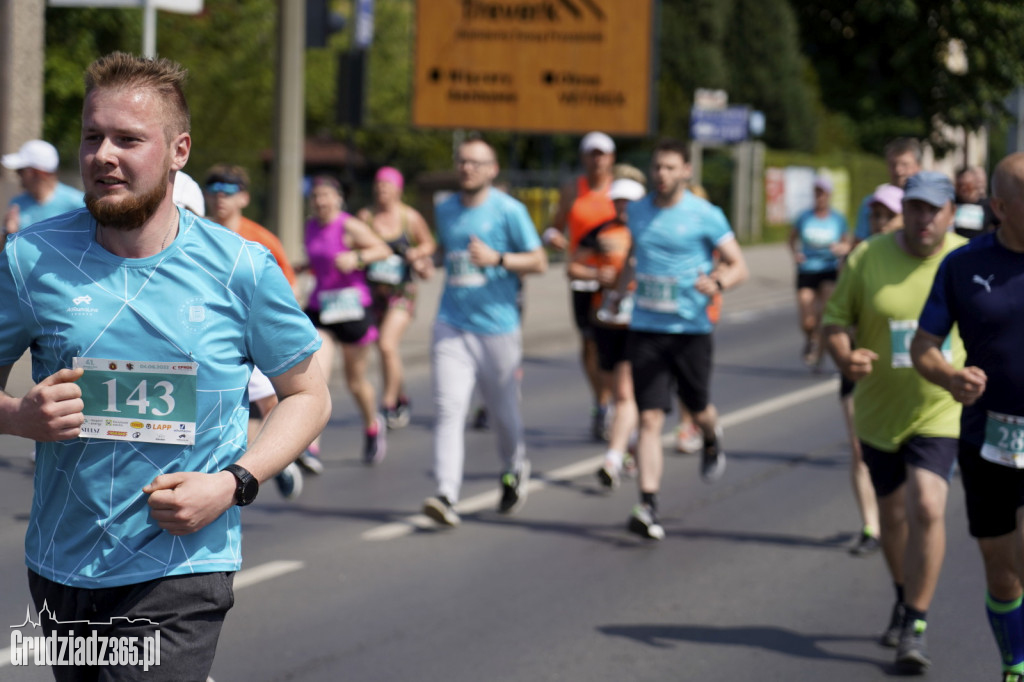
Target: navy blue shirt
<point x="980" y="287"/>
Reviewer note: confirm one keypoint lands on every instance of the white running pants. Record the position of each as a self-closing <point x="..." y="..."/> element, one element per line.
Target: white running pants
<point x="460" y="360"/>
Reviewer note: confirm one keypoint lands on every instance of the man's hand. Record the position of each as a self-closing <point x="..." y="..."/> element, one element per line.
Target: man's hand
<point x="482" y="255"/>
<point x="968" y="384"/>
<point x="12" y="219"/>
<point x="186" y="501"/>
<point x="52" y="409"/>
<point x="859" y="363"/>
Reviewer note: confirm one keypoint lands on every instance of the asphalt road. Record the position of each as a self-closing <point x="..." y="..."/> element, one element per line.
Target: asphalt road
<point x="753" y="580"/>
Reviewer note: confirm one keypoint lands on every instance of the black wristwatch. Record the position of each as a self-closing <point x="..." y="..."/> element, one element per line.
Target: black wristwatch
<point x="248" y="486"/>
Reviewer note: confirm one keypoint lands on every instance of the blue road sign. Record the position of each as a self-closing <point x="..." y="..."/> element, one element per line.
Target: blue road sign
<point x="720" y="126"/>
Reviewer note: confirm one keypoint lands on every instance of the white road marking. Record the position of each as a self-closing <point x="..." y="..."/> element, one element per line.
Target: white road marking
<point x="586" y="467"/>
<point x="244" y="578"/>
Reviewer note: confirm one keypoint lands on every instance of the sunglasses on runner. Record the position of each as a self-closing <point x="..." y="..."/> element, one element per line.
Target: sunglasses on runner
<point x="228" y="188"/>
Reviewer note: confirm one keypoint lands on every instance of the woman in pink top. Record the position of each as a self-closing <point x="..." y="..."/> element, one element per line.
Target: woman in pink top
<point x="339" y="248"/>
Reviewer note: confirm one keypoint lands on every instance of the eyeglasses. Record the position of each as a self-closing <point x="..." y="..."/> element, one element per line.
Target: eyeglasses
<point x="472" y="163"/>
<point x="228" y="188"/>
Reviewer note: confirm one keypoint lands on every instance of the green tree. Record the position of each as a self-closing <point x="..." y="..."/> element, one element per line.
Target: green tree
<point x="887" y="66"/>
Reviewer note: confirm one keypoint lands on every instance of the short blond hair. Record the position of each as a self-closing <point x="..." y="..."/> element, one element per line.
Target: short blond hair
<point x="121" y="70"/>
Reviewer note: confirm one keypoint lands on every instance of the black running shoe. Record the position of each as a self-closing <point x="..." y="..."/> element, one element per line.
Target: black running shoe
<point x="712" y="462"/>
<point x="644" y="522"/>
<point x="866" y="545"/>
<point x="514" y="489"/>
<point x="440" y="509"/>
<point x="891" y="637"/>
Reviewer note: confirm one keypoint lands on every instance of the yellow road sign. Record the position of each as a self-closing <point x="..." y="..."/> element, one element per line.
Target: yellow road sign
<point x="534" y="65"/>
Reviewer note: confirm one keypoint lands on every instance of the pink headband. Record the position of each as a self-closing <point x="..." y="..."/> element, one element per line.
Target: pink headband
<point x="392" y="175"/>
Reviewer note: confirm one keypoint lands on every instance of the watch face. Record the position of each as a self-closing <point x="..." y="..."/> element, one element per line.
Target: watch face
<point x="247" y="491"/>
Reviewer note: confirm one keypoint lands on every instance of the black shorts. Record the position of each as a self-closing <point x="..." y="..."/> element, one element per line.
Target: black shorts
<point x="582" y="303"/>
<point x="813" y="280"/>
<point x="345" y="332"/>
<point x="993" y="493"/>
<point x="889" y="469"/>
<point x="658" y="359"/>
<point x="187" y="610"/>
<point x="611" y="346"/>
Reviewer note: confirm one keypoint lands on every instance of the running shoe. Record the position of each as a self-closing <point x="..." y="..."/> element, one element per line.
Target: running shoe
<point x="891" y="637"/>
<point x="608" y="475"/>
<point x="712" y="461"/>
<point x="629" y="466"/>
<point x="912" y="651"/>
<point x="440" y="509"/>
<point x="375" y="446"/>
<point x="867" y="544"/>
<point x="310" y="461"/>
<point x="289" y="481"/>
<point x="811" y="354"/>
<point x="644" y="522"/>
<point x="398" y="416"/>
<point x="514" y="489"/>
<point x="689" y="439"/>
<point x="1012" y="677"/>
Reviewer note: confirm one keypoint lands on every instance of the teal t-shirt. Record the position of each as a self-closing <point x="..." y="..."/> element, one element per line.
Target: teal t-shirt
<point x="63" y="199"/>
<point x="482" y="300"/>
<point x="817" y="235"/>
<point x="673" y="246"/>
<point x="210" y="301"/>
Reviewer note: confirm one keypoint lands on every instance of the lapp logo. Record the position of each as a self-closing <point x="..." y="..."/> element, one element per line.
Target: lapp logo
<point x="82" y="300"/>
<point x="545" y="10"/>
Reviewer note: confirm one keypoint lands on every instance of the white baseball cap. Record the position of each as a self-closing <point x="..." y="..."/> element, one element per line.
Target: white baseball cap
<point x="597" y="141"/>
<point x="33" y="154"/>
<point x="624" y="188"/>
<point x="188" y="194"/>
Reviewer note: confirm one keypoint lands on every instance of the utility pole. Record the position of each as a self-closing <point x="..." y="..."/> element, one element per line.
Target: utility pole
<point x="287" y="167"/>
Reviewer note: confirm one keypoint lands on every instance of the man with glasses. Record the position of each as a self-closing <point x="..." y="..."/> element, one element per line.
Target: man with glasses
<point x="488" y="241"/>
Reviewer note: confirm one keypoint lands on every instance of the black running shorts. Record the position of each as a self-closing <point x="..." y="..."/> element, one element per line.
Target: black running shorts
<point x="658" y="359"/>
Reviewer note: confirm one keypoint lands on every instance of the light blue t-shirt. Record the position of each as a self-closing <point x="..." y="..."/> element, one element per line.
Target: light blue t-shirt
<point x="211" y="298"/>
<point x="63" y="199"/>
<point x="817" y="235"/>
<point x="482" y="300"/>
<point x="673" y="247"/>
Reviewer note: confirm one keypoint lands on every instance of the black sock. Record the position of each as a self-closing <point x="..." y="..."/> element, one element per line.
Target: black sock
<point x="899" y="593"/>
<point x="649" y="499"/>
<point x="914" y="615"/>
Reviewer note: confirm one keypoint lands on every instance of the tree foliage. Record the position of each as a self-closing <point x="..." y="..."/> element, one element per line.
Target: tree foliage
<point x="888" y="64"/>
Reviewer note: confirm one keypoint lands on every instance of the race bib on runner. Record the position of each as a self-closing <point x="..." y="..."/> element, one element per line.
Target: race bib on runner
<point x="391" y="270"/>
<point x="584" y="285"/>
<point x="462" y="272"/>
<point x="134" y="400"/>
<point x="341" y="305"/>
<point x="818" y="238"/>
<point x="901" y="333"/>
<point x="1004" y="440"/>
<point x="657" y="294"/>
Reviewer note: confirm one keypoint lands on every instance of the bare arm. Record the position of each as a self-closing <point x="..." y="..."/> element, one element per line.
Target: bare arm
<point x="521" y="263"/>
<point x="794" y="246"/>
<point x="854" y="363"/>
<point x="184" y="502"/>
<point x="730" y="271"/>
<point x="50" y="411"/>
<point x="966" y="385"/>
<point x="364" y="244"/>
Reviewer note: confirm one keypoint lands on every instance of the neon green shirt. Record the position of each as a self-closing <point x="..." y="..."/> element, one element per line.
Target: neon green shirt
<point x="881" y="291"/>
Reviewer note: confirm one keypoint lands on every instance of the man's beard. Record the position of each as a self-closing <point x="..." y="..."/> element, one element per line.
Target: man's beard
<point x="130" y="213"/>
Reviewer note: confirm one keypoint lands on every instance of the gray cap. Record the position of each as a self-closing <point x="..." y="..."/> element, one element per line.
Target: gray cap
<point x="931" y="187"/>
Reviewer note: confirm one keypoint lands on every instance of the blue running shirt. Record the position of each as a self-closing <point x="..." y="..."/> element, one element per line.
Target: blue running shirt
<point x="211" y="298"/>
<point x="673" y="246"/>
<point x="482" y="300"/>
<point x="980" y="288"/>
<point x="817" y="235"/>
<point x="64" y="199"/>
